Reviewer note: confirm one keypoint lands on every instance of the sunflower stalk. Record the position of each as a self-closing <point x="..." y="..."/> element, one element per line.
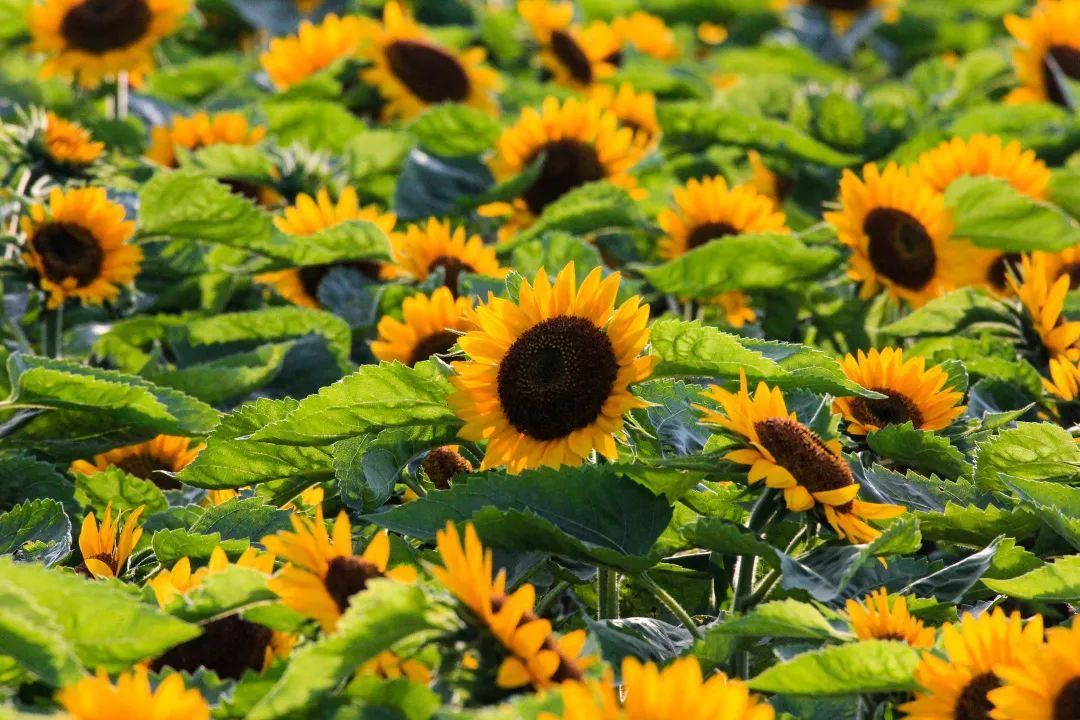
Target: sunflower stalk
<point x="670" y="603"/>
<point x="551" y="596"/>
<point x="52" y="337"/>
<point x="608" y="596"/>
<point x="763" y="510"/>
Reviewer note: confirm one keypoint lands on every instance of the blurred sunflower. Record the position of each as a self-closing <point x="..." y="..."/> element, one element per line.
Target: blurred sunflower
<point x="647" y="34"/>
<point x="1044" y="301"/>
<point x="875" y="617"/>
<point x="913" y="393"/>
<point x="104" y="555"/>
<point x="788" y="455"/>
<point x="1046" y="685"/>
<point x="634" y="110"/>
<point x="1064" y="262"/>
<point x="1064" y="380"/>
<point x="412" y="72"/>
<point x="1049" y="52"/>
<point x="68" y="144"/>
<point x="78" y="246"/>
<point x="958" y="688"/>
<point x="132" y="698"/>
<point x="151" y="460"/>
<point x="536" y="656"/>
<point x="424" y="248"/>
<point x="199" y="131"/>
<point x="576" y="57"/>
<point x="766" y="181"/>
<point x="292" y="59"/>
<point x="432" y="325"/>
<point x="388" y="665"/>
<point x="547" y="380"/>
<point x="845" y="13"/>
<point x="97" y="39"/>
<point x="323" y="573"/>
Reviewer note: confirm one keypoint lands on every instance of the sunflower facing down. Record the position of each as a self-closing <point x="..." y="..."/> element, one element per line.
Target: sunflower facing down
<point x="914" y="393"/>
<point x="1044" y="301"/>
<point x="412" y="72"/>
<point x="878" y="618"/>
<point x="958" y="688"/>
<point x="132" y="698"/>
<point x="1046" y="685"/>
<point x="323" y="573"/>
<point x="431" y="326"/>
<point x="199" y="131"/>
<point x="576" y="57"/>
<point x="547" y="380"/>
<point x="68" y="144"/>
<point x="1049" y="49"/>
<point x="104" y="555"/>
<point x="424" y="248"/>
<point x="152" y="460"/>
<point x="97" y="39"/>
<point x="634" y="110"/>
<point x="295" y="58"/>
<point x="844" y="13"/>
<point x="788" y="455"/>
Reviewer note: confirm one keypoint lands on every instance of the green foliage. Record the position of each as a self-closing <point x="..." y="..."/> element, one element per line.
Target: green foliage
<point x="870" y="666"/>
<point x="991" y="213"/>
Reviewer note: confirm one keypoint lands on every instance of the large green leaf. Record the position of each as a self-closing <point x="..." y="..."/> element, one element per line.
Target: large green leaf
<point x="173" y="544"/>
<point x="923" y="451"/>
<point x="241" y="519"/>
<point x="587" y="210"/>
<point x="31" y="635"/>
<point x="222" y="593"/>
<point x="782" y="619"/>
<point x="37" y="530"/>
<point x="991" y="213"/>
<point x="352" y="240"/>
<point x="1055" y="504"/>
<point x="227" y="378"/>
<point x="123" y="491"/>
<point x="1058" y="582"/>
<point x="452" y="130"/>
<point x="976" y="526"/>
<point x="950" y="314"/>
<point x="869" y="666"/>
<point x="23" y="478"/>
<point x="1030" y="451"/>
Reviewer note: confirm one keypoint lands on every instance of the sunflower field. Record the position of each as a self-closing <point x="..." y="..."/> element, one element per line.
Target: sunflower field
<point x="540" y="360"/>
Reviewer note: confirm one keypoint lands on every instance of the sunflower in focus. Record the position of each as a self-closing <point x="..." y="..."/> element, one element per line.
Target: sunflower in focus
<point x="78" y="246"/>
<point x="914" y="393"/>
<point x="1044" y="301"/>
<point x="790" y="456"/>
<point x="98" y="39"/>
<point x="104" y="555"/>
<point x="132" y="698"/>
<point x="576" y="57"/>
<point x="647" y="34"/>
<point x="845" y="13"/>
<point x="634" y="110"/>
<point x="68" y="144"/>
<point x="977" y="649"/>
<point x="154" y="460"/>
<point x="323" y="573"/>
<point x="876" y="618"/>
<point x="547" y="379"/>
<point x="1064" y="380"/>
<point x="431" y="326"/>
<point x="1046" y="685"/>
<point x="424" y="248"/>
<point x="1048" y="52"/>
<point x="199" y="131"/>
<point x="293" y="59"/>
<point x="412" y="72"/>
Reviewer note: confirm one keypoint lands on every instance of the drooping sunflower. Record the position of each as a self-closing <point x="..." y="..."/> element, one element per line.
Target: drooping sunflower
<point x="295" y="58"/>
<point x="1064" y="380"/>
<point x="1046" y="685"/>
<point x="634" y="110"/>
<point x="647" y="34"/>
<point x="1049" y="49"/>
<point x="97" y="39"/>
<point x="1044" y="301"/>
<point x="535" y="655"/>
<point x="308" y="216"/>
<point x="132" y="698"/>
<point x="421" y="249"/>
<point x="412" y="72"/>
<point x="977" y="648"/>
<point x="323" y="573"/>
<point x="150" y="460"/>
<point x="547" y="380"/>
<point x="199" y="131"/>
<point x="878" y="618"/>
<point x="576" y="57"/>
<point x="78" y="246"/>
<point x="105" y="555"/>
<point x="431" y="326"/>
<point x="69" y="144"/>
<point x="788" y="455"/>
<point x="900" y="234"/>
<point x="844" y="13"/>
<point x="915" y="393"/>
<point x="443" y="464"/>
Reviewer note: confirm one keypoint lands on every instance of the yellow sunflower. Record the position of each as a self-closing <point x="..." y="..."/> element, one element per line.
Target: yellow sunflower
<point x="576" y="57"/>
<point x="985" y="155"/>
<point x="97" y="39"/>
<point x="1064" y="380"/>
<point x="78" y="246"/>
<point x="915" y="393"/>
<point x="432" y="326"/>
<point x="68" y="143"/>
<point x="788" y="455"/>
<point x="199" y="131"/>
<point x="1044" y="301"/>
<point x="535" y="656"/>
<point x="103" y="554"/>
<point x="766" y="181"/>
<point x="844" y="13"/>
<point x="1046" y="686"/>
<point x="423" y="248"/>
<point x="150" y="460"/>
<point x="876" y="618"/>
<point x="956" y="688"/>
<point x="390" y="666"/>
<point x="647" y="34"/>
<point x="547" y="380"/>
<point x="412" y="72"/>
<point x="1049" y="48"/>
<point x="295" y="58"/>
<point x="1064" y="262"/>
<point x="900" y="234"/>
<point x="132" y="698"/>
<point x="634" y="110"/>
<point x="711" y="33"/>
<point x="323" y="573"/>
<point x="308" y="216"/>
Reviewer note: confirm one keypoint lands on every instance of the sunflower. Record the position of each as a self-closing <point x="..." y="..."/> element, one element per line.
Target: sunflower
<point x="97" y="39"/>
<point x="876" y="618"/>
<point x="985" y="155"/>
<point x="788" y="455"/>
<point x="1046" y="686"/>
<point x="1063" y="262"/>
<point x="766" y="181"/>
<point x="535" y="656"/>
<point x="199" y="131"/>
<point x="710" y="33"/>
<point x="647" y="34"/>
<point x="78" y="246"/>
<point x="1045" y="300"/>
<point x="844" y="13"/>
<point x="1049" y="50"/>
<point x="547" y="380"/>
<point x="899" y="231"/>
<point x="412" y="72"/>
<point x="309" y="216"/>
<point x="104" y="555"/>
<point x="132" y="698"/>
<point x="634" y="110"/>
<point x="977" y="648"/>
<point x="68" y="144"/>
<point x="323" y="573"/>
<point x="576" y="57"/>
<point x="913" y="393"/>
<point x="290" y="60"/>
<point x="432" y="326"/>
<point x="1064" y="380"/>
<point x="424" y="248"/>
<point x="153" y="460"/>
<point x="443" y="464"/>
<point x="581" y="142"/>
<point x="388" y="665"/>
<point x="652" y="693"/>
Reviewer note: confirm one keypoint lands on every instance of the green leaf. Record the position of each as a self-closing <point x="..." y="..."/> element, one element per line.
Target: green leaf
<point x="782" y="619"/>
<point x="587" y="210"/>
<point x="1065" y="189"/>
<point x="37" y="530"/>
<point x="193" y="80"/>
<point x="242" y="519"/>
<point x="230" y="162"/>
<point x="222" y="593"/>
<point x="868" y="666"/>
<point x="728" y="538"/>
<point x="950" y="314"/>
<point x="31" y="635"/>
<point x="923" y="451"/>
<point x="1057" y="582"/>
<point x="1055" y="504"/>
<point x="172" y="545"/>
<point x="452" y="130"/>
<point x="972" y="525"/>
<point x="1030" y="451"/>
<point x="124" y="491"/>
<point x="353" y="240"/>
<point x="554" y="252"/>
<point x="23" y="478"/>
<point x="991" y="213"/>
<point x="320" y="124"/>
<point x="227" y="378"/>
<point x="368" y="467"/>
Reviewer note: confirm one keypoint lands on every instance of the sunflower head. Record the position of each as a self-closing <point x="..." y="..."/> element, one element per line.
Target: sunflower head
<point x="1048" y="52"/>
<point x="1044" y="299"/>
<point x="1064" y="380"/>
<point x="985" y="155"/>
<point x="767" y="181"/>
<point x="199" y="131"/>
<point x="96" y="698"/>
<point x="547" y="380"/>
<point x="1046" y="685"/>
<point x="878" y="618"/>
<point x="425" y="248"/>
<point x="845" y="13"/>
<point x="105" y="554"/>
<point x="647" y="34"/>
<point x="431" y="326"/>
<point x="634" y="110"/>
<point x="290" y="60"/>
<point x="576" y="57"/>
<point x="154" y="460"/>
<point x="388" y="665"/>
<point x="68" y="144"/>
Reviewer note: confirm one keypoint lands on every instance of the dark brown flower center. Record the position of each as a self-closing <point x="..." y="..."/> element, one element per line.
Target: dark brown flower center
<point x="347" y="576"/>
<point x="567" y="164"/>
<point x="430" y="73"/>
<point x="998" y="273"/>
<point x="109" y="559"/>
<point x="245" y="189"/>
<point x="802" y="453"/>
<point x="556" y="377"/>
<point x="145" y="466"/>
<point x="973" y="703"/>
<point x="568" y="669"/>
<point x="1067" y="703"/>
<point x="709" y="231"/>
<point x="572" y="57"/>
<point x="900" y="248"/>
<point x="98" y="26"/>
<point x="435" y="344"/>
<point x="848" y="5"/>
<point x="442" y="464"/>
<point x="229" y="646"/>
<point x="1063" y="59"/>
<point x="311" y="276"/>
<point x="895" y="409"/>
<point x="452" y="268"/>
<point x="1073" y="271"/>
<point x="67" y="251"/>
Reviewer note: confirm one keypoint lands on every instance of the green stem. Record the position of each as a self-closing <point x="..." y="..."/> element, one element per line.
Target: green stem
<point x="744" y="576"/>
<point x="608" y="598"/>
<point x="670" y="603"/>
<point x="763" y="588"/>
<point x="550" y="596"/>
<point x="414" y="486"/>
<point x="58" y="331"/>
